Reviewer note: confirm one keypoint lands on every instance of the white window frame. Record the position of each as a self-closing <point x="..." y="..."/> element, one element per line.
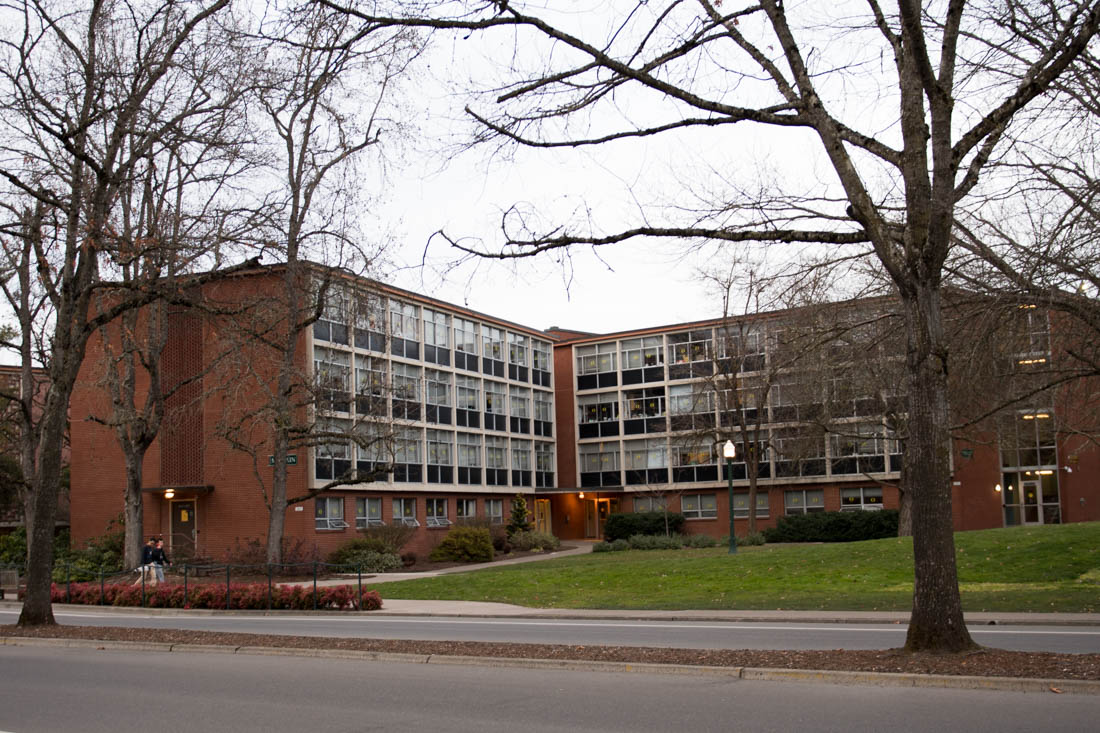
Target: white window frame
<point x="699" y="506"/>
<point x="494" y="511"/>
<point x="435" y="517"/>
<point x="328" y="519"/>
<point x="401" y="511"/>
<point x="368" y="512"/>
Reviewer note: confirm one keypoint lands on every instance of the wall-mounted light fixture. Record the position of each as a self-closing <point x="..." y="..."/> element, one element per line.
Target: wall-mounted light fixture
<point x="169" y="494"/>
<point x="997" y="488"/>
<point x="580" y="495"/>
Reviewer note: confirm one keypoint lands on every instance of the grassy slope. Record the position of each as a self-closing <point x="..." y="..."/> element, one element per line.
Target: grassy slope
<point x="1055" y="568"/>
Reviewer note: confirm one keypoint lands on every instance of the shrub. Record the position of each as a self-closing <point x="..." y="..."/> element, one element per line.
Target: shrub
<point x="363" y="554"/>
<point x="501" y="543"/>
<point x="620" y="545"/>
<point x="243" y="596"/>
<point x="390" y="538"/>
<point x="532" y="540"/>
<point x="699" y="540"/>
<point x="835" y="527"/>
<point x="464" y="544"/>
<point x="253" y="551"/>
<point x="655" y="542"/>
<point x="626" y="525"/>
<point x="601" y="547"/>
<point x="518" y="521"/>
<point x="752" y="540"/>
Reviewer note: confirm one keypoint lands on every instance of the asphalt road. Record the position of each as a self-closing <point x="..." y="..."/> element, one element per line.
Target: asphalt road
<point x="681" y="634"/>
<point x="50" y="690"/>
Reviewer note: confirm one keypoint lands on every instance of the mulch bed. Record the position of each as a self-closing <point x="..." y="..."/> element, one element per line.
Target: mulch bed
<point x="983" y="662"/>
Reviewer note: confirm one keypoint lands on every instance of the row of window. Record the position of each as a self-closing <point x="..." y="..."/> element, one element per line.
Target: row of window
<point x="464" y="458"/>
<point x="361" y="319"/>
<point x="329" y="512"/>
<point x="377" y="387"/>
<point x="788" y="453"/>
<point x="795" y="501"/>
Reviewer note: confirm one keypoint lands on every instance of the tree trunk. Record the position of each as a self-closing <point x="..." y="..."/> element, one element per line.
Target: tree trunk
<point x="936" y="622"/>
<point x="905" y="512"/>
<point x="37" y="607"/>
<point x="133" y="518"/>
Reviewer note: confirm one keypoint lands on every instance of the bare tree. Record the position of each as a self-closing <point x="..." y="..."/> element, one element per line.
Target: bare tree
<point x="75" y="93"/>
<point x="320" y="131"/>
<point x="902" y="174"/>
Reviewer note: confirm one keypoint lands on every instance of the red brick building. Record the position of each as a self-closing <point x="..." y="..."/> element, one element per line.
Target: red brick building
<point x="479" y="409"/>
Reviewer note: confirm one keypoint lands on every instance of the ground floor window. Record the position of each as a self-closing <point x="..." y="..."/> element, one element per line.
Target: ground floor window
<point x="741" y="505"/>
<point x="803" y="501"/>
<point x="329" y="513"/>
<point x="867" y="498"/>
<point x="699" y="506"/>
<point x="1031" y="497"/>
<point x="650" y="503"/>
<point x="368" y="512"/>
<point x="466" y="510"/>
<point x="494" y="510"/>
<point x="404" y="512"/>
<point x="436" y="511"/>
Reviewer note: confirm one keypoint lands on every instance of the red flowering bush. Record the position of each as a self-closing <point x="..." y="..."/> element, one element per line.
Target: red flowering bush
<point x="242" y="596"/>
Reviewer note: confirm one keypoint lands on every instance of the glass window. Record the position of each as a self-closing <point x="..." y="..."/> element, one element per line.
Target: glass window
<point x="370" y="376"/>
<point x="860" y="499"/>
<point x="437" y="328"/>
<point x="406" y="446"/>
<point x="685" y="399"/>
<point x="496" y="452"/>
<point x="541" y="351"/>
<point x="406" y="382"/>
<point x="693" y="453"/>
<point x="596" y="358"/>
<point x="465" y="336"/>
<point x="404" y="512"/>
<point x="329" y="513"/>
<point x="467" y="392"/>
<point x="699" y="506"/>
<point x="436" y="512"/>
<point x="642" y="352"/>
<point x="332" y="376"/>
<point x="544" y="406"/>
<point x="598" y="407"/>
<point x="644" y="454"/>
<point x="517" y="349"/>
<point x="650" y="504"/>
<point x="641" y="403"/>
<point x="368" y="512"/>
<point x="494" y="397"/>
<point x="332" y="457"/>
<point x="690" y="346"/>
<point x="741" y="505"/>
<point x="440" y="446"/>
<point x="492" y="343"/>
<point x="465" y="510"/>
<point x="521" y="455"/>
<point x="333" y="323"/>
<point x="801" y="501"/>
<point x="403" y="320"/>
<point x="544" y="457"/>
<point x="469" y="450"/>
<point x="599" y="457"/>
<point x="494" y="510"/>
<point x="439" y="387"/>
<point x="521" y="401"/>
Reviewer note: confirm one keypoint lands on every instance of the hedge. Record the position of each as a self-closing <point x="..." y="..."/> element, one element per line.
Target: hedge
<point x="242" y="596"/>
<point x="835" y="527"/>
<point x="626" y="525"/>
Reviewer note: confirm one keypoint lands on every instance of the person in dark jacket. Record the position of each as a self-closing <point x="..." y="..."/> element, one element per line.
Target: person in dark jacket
<point x="146" y="569"/>
<point x="160" y="560"/>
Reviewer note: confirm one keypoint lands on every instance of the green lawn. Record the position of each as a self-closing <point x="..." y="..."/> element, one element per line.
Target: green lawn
<point x="1054" y="568"/>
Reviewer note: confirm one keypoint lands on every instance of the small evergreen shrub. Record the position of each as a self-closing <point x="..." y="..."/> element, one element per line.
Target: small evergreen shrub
<point x="364" y="553"/>
<point x="519" y="521"/>
<point x="751" y="540"/>
<point x="655" y="542"/>
<point x="532" y="540"/>
<point x="699" y="540"/>
<point x="620" y="545"/>
<point x="601" y="547"/>
<point x="626" y="525"/>
<point x="464" y="544"/>
<point x="835" y="527"/>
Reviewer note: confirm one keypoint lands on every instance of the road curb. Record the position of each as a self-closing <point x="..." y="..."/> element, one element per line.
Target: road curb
<point x="877" y="679"/>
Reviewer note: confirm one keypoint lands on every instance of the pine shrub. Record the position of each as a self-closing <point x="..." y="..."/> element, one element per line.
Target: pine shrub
<point x="835" y="527"/>
<point x="626" y="525"/>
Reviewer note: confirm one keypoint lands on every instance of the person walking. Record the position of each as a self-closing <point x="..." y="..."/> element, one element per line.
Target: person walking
<point x="160" y="560"/>
<point x="147" y="574"/>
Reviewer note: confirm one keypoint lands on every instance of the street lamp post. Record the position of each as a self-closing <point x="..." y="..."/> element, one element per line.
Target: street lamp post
<point x="728" y="451"/>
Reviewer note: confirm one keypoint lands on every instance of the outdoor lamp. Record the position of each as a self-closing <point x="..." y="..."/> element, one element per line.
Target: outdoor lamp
<point x="728" y="452"/>
<point x="169" y="494"/>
